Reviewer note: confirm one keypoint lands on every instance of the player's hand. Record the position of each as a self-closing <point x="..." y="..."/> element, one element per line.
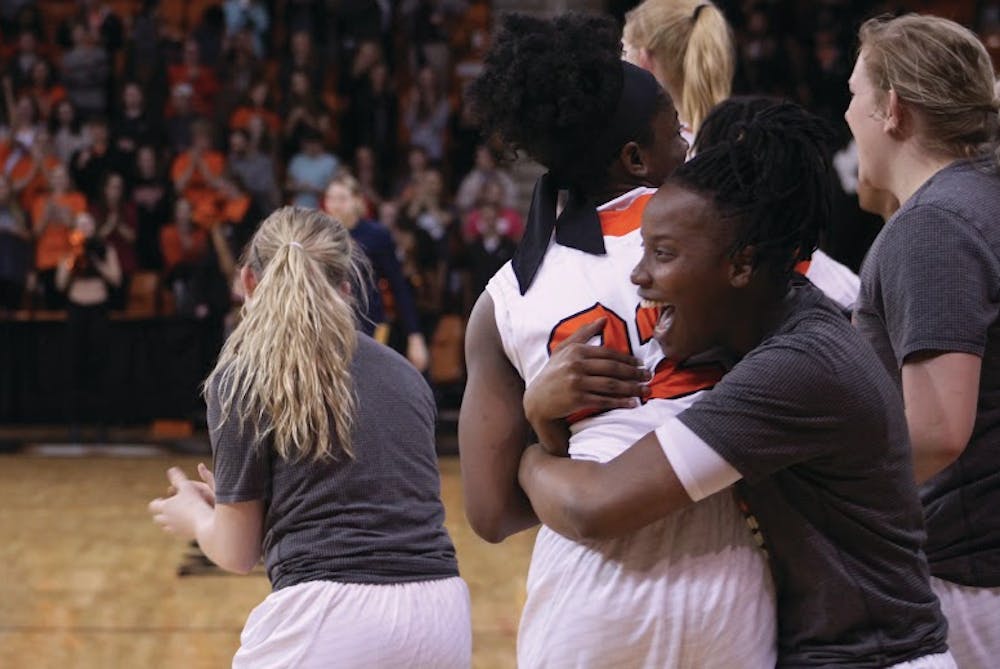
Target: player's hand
<point x="583" y="376"/>
<point x="179" y="514"/>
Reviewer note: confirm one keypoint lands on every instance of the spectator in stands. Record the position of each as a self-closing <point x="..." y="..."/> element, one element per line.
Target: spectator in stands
<point x="23" y="114"/>
<point x="427" y="114"/>
<point x="210" y="34"/>
<point x="153" y="195"/>
<point x="239" y="69"/>
<point x="181" y="118"/>
<point x="416" y="167"/>
<point x="136" y="124"/>
<point x="43" y="89"/>
<point x="87" y="274"/>
<point x="89" y="165"/>
<point x="67" y="136"/>
<point x="250" y="17"/>
<point x="301" y="56"/>
<point x="429" y="208"/>
<point x="309" y="171"/>
<point x="485" y="170"/>
<point x="146" y="58"/>
<point x="86" y="72"/>
<point x="489" y="251"/>
<point x="370" y="178"/>
<point x="303" y="112"/>
<point x="343" y="200"/>
<point x="24" y="58"/>
<point x="15" y="249"/>
<point x="53" y="216"/>
<point x="102" y="22"/>
<point x="193" y="267"/>
<point x="508" y="223"/>
<point x="257" y="104"/>
<point x="117" y="222"/>
<point x="202" y="80"/>
<point x="373" y="116"/>
<point x="27" y="170"/>
<point x="464" y="139"/>
<point x="199" y="175"/>
<point x="254" y="171"/>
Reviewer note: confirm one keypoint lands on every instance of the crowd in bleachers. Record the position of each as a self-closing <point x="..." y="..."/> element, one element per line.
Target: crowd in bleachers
<point x="176" y="126"/>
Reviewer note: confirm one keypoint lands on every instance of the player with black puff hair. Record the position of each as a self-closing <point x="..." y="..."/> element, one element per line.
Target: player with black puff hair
<point x="608" y="135"/>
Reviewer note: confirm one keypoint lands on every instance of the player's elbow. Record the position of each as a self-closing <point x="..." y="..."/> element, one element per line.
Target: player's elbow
<point x="238" y="564"/>
<point x="486" y="520"/>
<point x="587" y="518"/>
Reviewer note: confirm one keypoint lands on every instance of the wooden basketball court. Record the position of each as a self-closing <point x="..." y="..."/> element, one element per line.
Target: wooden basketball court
<point x="89" y="581"/>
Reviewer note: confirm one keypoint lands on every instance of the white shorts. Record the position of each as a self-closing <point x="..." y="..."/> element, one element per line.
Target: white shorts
<point x="327" y="624"/>
<point x="973" y="623"/>
<point x="691" y="591"/>
<point x="936" y="661"/>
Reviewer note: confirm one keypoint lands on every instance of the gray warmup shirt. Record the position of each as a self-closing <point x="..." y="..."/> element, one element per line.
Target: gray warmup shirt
<point x="814" y="425"/>
<point x="931" y="282"/>
<point x="375" y="519"/>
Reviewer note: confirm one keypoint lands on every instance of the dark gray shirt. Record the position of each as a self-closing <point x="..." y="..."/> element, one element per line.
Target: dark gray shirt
<point x="375" y="519"/>
<point x="814" y="425"/>
<point x="931" y="282"/>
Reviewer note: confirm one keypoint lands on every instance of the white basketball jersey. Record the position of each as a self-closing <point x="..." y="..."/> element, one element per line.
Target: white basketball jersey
<point x="573" y="288"/>
<point x="689" y="591"/>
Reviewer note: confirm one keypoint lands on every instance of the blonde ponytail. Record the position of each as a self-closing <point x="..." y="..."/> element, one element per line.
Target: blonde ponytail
<point x="709" y="65"/>
<point x="286" y="369"/>
<point x="692" y="46"/>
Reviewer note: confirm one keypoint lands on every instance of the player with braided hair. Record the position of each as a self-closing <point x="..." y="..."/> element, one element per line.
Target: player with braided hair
<point x="608" y="134"/>
<point x="806" y="424"/>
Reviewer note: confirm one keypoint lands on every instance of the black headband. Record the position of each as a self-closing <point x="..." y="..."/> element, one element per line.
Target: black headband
<point x="578" y="225"/>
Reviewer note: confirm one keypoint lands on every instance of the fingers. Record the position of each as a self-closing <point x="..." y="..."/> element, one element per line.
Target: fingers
<point x="586" y="332"/>
<point x="156" y="506"/>
<point x="206" y="475"/>
<point x="596" y="401"/>
<point x="176" y="477"/>
<point x="610" y="369"/>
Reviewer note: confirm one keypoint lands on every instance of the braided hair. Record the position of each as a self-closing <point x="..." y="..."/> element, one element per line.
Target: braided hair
<point x="549" y="87"/>
<point x="766" y="166"/>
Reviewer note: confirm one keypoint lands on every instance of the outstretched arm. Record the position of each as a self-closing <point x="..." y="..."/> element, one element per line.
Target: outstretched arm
<point x="492" y="432"/>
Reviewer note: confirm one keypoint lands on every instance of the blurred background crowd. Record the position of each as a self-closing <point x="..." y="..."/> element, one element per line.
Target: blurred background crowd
<point x="141" y="142"/>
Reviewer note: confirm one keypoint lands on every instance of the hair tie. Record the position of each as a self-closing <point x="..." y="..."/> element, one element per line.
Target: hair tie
<point x="697" y="11"/>
<point x="296" y="244"/>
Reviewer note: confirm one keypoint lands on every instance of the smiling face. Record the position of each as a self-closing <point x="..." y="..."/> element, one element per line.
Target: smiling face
<point x="685" y="272"/>
<point x="866" y="118"/>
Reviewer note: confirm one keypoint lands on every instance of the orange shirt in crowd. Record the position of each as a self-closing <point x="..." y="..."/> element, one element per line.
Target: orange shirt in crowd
<point x="54" y="240"/>
<point x="175" y="251"/>
<point x="202" y="81"/>
<point x="38" y="184"/>
<point x="209" y="205"/>
<point x="240" y="120"/>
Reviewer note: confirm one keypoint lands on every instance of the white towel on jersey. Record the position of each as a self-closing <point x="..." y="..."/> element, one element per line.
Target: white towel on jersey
<point x="835" y="279"/>
<point x="691" y="591"/>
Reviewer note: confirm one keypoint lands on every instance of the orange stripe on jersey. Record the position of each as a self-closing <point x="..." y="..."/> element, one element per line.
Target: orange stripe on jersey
<point x="670" y="383"/>
<point x="620" y="222"/>
<point x="802" y="267"/>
